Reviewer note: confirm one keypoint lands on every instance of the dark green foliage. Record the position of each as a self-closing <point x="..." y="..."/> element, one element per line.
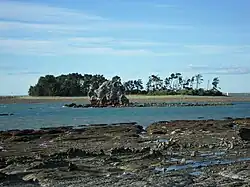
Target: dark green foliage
<point x="66" y="85"/>
<point x="176" y="85"/>
<point x="134" y="87"/>
<point x="79" y="85"/>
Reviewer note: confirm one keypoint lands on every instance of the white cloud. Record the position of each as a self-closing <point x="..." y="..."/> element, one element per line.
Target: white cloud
<point x="142" y="4"/>
<point x="24" y="73"/>
<point x="164" y="6"/>
<point x="80" y="27"/>
<point x="220" y="70"/>
<point x="31" y="12"/>
<point x="46" y="28"/>
<point x="217" y="49"/>
<point x="55" y="24"/>
<point x="109" y="41"/>
<point x="94" y="46"/>
<point x="17" y="16"/>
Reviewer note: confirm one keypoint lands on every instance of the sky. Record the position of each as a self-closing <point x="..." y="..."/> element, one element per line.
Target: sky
<point x="129" y="38"/>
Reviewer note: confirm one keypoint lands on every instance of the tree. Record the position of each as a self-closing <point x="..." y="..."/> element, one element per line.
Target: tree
<point x="138" y="85"/>
<point x="179" y="84"/>
<point x="215" y="83"/>
<point x="171" y="79"/>
<point x="116" y="79"/>
<point x="75" y="84"/>
<point x="198" y="79"/>
<point x="154" y="83"/>
<point x="192" y="82"/>
<point x="186" y="84"/>
<point x="167" y="83"/>
<point x="129" y="86"/>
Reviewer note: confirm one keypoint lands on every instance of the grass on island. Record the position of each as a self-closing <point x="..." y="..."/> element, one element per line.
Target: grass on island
<point x="132" y="98"/>
<point x="129" y="96"/>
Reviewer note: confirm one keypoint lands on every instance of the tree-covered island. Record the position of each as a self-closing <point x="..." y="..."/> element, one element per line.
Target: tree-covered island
<point x="76" y="84"/>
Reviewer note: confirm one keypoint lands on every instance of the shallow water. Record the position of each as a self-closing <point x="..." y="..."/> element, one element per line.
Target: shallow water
<point x="53" y="114"/>
<point x="190" y="164"/>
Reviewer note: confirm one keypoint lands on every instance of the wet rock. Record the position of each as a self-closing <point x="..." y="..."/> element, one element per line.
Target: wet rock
<point x="72" y="167"/>
<point x="15" y="181"/>
<point x="2" y="163"/>
<point x="183" y="161"/>
<point x="30" y="178"/>
<point x="211" y="146"/>
<point x="112" y="159"/>
<point x="175" y="131"/>
<point x="6" y="114"/>
<point x="162" y="145"/>
<point x="70" y="105"/>
<point x="244" y="133"/>
<point x="239" y="174"/>
<point x="74" y="158"/>
<point x="73" y="152"/>
<point x="74" y="105"/>
<point x="230" y="145"/>
<point x="228" y="118"/>
<point x="2" y="176"/>
<point x="50" y="164"/>
<point x="145" y="150"/>
<point x="155" y="153"/>
<point x="61" y="129"/>
<point x="121" y="150"/>
<point x="18" y="160"/>
<point x="193" y="154"/>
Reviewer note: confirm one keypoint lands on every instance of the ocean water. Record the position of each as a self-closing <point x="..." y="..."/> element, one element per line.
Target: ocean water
<point x="54" y="114"/>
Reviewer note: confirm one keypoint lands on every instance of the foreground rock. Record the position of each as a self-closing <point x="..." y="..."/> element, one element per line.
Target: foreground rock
<point x="168" y="153"/>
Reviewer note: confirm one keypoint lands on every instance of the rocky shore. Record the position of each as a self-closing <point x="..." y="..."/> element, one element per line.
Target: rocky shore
<point x="167" y="153"/>
<point x="151" y="104"/>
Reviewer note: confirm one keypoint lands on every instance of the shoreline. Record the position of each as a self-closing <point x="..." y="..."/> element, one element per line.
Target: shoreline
<point x="132" y="98"/>
<point x="190" y="152"/>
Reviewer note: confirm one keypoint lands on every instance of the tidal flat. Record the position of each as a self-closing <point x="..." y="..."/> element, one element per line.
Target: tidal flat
<point x="166" y="153"/>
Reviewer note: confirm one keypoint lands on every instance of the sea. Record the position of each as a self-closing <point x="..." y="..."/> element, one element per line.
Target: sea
<point x="35" y="116"/>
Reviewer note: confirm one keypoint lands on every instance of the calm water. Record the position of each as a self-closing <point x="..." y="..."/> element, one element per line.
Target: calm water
<point x="47" y="115"/>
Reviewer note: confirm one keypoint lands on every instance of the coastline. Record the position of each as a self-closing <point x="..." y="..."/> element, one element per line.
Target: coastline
<point x="190" y="152"/>
<point x="132" y="98"/>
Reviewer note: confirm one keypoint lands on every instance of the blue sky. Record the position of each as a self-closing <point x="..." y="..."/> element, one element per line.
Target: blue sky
<point x="133" y="39"/>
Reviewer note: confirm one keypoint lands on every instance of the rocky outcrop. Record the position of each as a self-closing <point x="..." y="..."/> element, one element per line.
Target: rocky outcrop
<point x="110" y="93"/>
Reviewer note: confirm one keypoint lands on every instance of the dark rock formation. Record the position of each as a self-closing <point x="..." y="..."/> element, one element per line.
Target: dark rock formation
<point x="244" y="133"/>
<point x="6" y="114"/>
<point x="123" y="101"/>
<point x="110" y="93"/>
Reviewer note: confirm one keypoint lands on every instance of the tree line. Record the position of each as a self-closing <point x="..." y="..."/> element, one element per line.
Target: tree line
<point x="75" y="84"/>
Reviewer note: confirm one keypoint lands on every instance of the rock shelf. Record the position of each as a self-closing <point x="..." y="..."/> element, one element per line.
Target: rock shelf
<point x="166" y="153"/>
